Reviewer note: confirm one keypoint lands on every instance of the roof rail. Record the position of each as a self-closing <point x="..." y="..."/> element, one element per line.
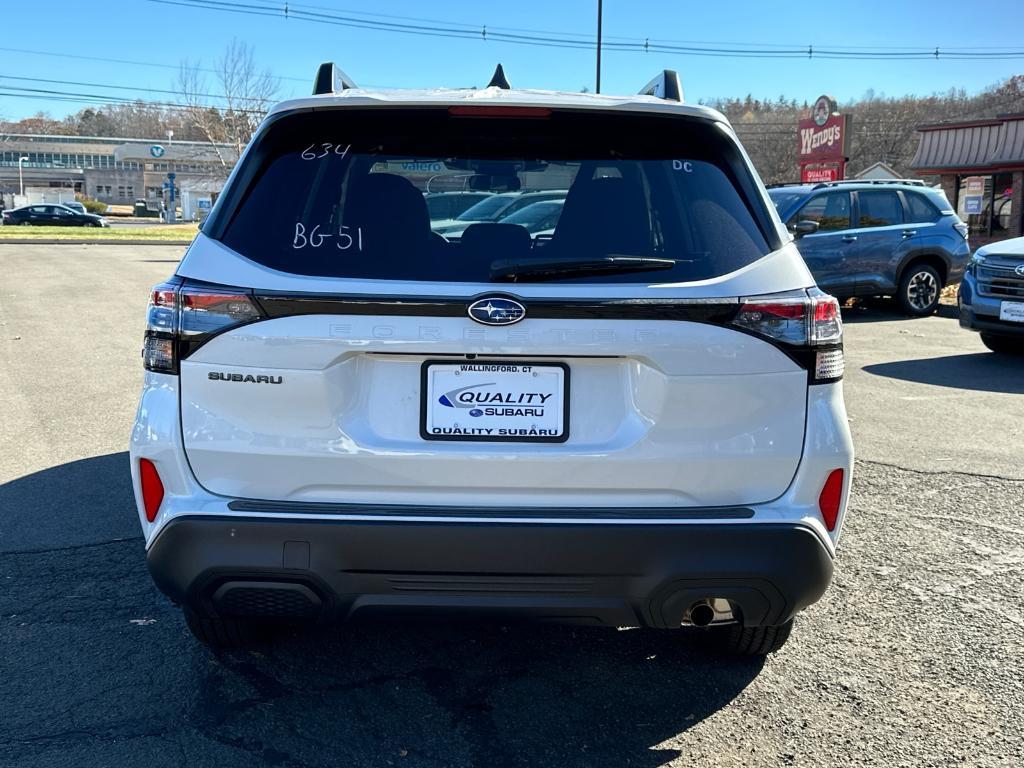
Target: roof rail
<point x="498" y="79"/>
<point x="908" y="182"/>
<point x="330" y="79"/>
<point x="664" y="86"/>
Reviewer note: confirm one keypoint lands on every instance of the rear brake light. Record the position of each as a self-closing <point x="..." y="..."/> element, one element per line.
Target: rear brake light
<point x="152" y="488"/>
<point x="962" y="228"/>
<point x="465" y="110"/>
<point x="830" y="499"/>
<point x="802" y="324"/>
<point x="182" y="316"/>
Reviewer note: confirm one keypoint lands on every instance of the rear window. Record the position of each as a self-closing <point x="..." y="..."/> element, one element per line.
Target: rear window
<point x="783" y="201"/>
<point x="340" y="193"/>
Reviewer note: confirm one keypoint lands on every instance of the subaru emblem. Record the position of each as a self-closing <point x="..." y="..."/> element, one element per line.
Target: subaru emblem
<point x="496" y="311"/>
<point x="1020" y="270"/>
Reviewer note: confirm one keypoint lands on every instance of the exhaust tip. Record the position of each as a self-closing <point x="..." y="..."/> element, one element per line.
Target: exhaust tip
<point x="701" y="614"/>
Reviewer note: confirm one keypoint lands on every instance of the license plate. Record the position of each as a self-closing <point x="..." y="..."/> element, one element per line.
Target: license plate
<point x="489" y="401"/>
<point x="1012" y="311"/>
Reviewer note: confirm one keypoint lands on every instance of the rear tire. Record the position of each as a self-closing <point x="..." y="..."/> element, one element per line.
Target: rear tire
<point x="919" y="291"/>
<point x="755" y="641"/>
<point x="225" y="633"/>
<point x="1004" y="345"/>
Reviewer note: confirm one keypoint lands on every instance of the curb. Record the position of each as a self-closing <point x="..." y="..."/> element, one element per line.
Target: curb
<point x="39" y="241"/>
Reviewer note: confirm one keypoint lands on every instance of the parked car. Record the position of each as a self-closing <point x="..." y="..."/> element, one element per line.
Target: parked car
<point x="537" y="217"/>
<point x="877" y="238"/>
<point x="640" y="422"/>
<point x="75" y="206"/>
<point x="494" y="208"/>
<point x="442" y="206"/>
<point x="52" y="216"/>
<point x="991" y="296"/>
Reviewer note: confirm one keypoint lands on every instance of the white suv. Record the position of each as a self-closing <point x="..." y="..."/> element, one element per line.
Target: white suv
<point x="638" y="420"/>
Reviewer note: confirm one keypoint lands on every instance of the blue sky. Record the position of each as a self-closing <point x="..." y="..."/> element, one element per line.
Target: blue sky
<point x="160" y="34"/>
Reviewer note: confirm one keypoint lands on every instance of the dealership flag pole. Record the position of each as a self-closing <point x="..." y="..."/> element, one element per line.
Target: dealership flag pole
<point x="598" y="88"/>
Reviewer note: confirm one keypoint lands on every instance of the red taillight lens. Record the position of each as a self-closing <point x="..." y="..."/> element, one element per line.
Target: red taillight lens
<point x="203" y="312"/>
<point x="831" y="497"/>
<point x="152" y="488"/>
<point x="467" y="110"/>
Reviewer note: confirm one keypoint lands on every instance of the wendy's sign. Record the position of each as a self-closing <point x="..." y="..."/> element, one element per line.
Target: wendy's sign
<point x="822" y="142"/>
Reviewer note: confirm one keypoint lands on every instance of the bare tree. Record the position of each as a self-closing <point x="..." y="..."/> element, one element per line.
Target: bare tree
<point x="229" y="110"/>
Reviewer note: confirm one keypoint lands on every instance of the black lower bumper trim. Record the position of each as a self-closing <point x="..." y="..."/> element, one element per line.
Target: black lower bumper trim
<point x="618" y="574"/>
<point x="405" y="510"/>
<point x="989" y="324"/>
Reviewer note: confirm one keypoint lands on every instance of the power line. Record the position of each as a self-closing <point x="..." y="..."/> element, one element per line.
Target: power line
<point x="157" y="65"/>
<point x="133" y="88"/>
<point x="430" y="28"/>
<point x="110" y="100"/>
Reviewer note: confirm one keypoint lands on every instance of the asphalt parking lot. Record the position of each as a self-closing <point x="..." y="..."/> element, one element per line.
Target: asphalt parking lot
<point x="915" y="657"/>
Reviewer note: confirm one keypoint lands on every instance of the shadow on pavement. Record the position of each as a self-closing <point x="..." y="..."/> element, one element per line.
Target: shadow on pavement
<point x="980" y="371"/>
<point x="79" y="610"/>
<point x="468" y="694"/>
<point x="81" y="502"/>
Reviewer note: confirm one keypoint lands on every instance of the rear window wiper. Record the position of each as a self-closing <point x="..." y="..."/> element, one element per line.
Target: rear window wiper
<point x="514" y="270"/>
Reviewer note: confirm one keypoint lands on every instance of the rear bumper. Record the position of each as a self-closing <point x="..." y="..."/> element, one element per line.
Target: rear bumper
<point x="615" y="574"/>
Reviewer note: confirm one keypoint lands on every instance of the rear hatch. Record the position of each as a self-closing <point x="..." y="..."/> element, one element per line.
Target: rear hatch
<point x="335" y="349"/>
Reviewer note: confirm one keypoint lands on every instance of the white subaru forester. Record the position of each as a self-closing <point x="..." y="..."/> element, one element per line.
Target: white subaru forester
<point x="635" y="418"/>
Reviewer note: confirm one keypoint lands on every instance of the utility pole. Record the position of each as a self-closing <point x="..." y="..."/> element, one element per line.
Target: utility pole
<point x="598" y="88"/>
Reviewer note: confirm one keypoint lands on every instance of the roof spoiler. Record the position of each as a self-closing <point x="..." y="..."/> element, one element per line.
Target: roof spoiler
<point x="664" y="86"/>
<point x="330" y="79"/>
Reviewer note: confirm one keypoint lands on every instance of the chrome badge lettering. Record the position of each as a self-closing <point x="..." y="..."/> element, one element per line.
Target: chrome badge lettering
<point x="246" y="378"/>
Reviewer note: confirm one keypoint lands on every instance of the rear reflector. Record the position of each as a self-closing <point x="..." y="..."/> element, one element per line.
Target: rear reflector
<point x="152" y="488"/>
<point x="830" y="498"/>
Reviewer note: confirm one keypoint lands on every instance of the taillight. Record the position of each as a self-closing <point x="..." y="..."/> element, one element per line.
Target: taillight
<point x="810" y="328"/>
<point x="182" y="316"/>
<point x="830" y="499"/>
<point x="152" y="488"/>
<point x="962" y="228"/>
<point x="158" y="349"/>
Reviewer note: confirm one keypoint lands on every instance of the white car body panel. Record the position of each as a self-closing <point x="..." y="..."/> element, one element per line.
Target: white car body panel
<point x="663" y="413"/>
<point x="157" y="436"/>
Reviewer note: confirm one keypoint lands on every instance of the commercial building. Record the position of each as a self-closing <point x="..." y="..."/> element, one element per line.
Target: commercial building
<point x="980" y="164"/>
<point x="111" y="169"/>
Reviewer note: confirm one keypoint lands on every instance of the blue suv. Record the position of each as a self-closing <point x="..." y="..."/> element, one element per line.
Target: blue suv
<point x="992" y="296"/>
<point x="877" y="238"/>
